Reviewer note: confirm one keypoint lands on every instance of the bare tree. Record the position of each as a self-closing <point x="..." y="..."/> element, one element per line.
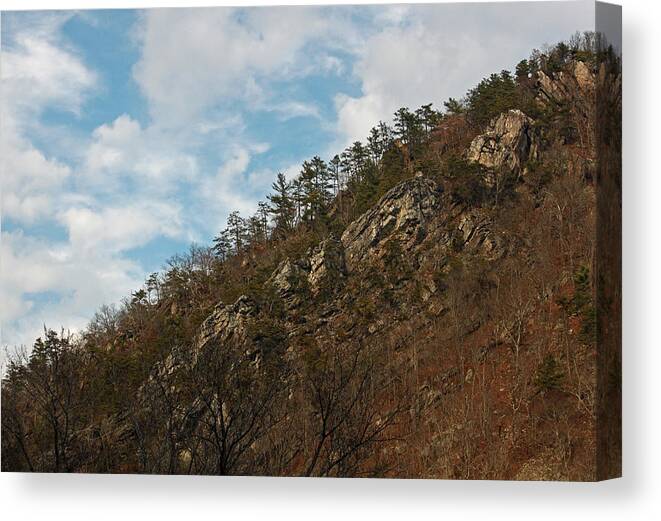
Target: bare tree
<point x="343" y="388"/>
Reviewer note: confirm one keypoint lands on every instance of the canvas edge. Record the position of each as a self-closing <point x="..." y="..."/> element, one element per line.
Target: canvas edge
<point x="608" y="128"/>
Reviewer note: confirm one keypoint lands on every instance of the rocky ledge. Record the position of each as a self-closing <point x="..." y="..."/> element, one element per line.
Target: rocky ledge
<point x="402" y="214"/>
<point x="509" y="142"/>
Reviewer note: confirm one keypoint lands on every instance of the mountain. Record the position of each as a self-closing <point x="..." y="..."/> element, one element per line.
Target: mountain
<point x="423" y="306"/>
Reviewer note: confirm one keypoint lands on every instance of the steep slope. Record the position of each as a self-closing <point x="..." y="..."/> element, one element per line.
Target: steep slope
<point x="438" y="320"/>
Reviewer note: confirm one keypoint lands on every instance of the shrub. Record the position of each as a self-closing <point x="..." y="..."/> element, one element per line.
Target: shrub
<point x="549" y="375"/>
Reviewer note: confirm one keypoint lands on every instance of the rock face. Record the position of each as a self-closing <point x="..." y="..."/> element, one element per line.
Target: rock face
<point x="402" y="214"/>
<point x="290" y="281"/>
<point x="226" y="323"/>
<point x="575" y="83"/>
<point x="509" y="141"/>
<point x="327" y="265"/>
<point x="322" y="268"/>
<point x="573" y="89"/>
<point x="478" y="237"/>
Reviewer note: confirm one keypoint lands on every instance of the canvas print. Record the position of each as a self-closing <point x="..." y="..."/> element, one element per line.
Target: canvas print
<point x="338" y="241"/>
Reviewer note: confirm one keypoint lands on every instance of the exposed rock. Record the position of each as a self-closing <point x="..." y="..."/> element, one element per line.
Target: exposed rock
<point x="573" y="89"/>
<point x="226" y="323"/>
<point x="477" y="236"/>
<point x="509" y="141"/>
<point x="290" y="281"/>
<point x="327" y="265"/>
<point x="472" y="228"/>
<point x="584" y="77"/>
<point x="428" y="288"/>
<point x="323" y="267"/>
<point x="574" y="83"/>
<point x="402" y="214"/>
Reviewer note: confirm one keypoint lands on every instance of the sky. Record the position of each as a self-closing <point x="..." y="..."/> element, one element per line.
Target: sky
<point x="127" y="135"/>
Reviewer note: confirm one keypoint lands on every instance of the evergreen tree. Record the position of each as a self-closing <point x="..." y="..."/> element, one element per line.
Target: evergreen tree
<point x="409" y="128"/>
<point x="255" y="231"/>
<point x="492" y="96"/>
<point x="427" y="117"/>
<point x="222" y="245"/>
<point x="374" y="144"/>
<point x="452" y="106"/>
<point x="522" y="70"/>
<point x="236" y="228"/>
<point x="335" y="172"/>
<point x="379" y="140"/>
<point x="317" y="183"/>
<point x="354" y="160"/>
<point x="404" y="123"/>
<point x="262" y="215"/>
<point x="298" y="197"/>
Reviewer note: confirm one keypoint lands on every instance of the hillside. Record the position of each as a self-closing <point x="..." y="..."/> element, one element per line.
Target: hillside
<point x="422" y="305"/>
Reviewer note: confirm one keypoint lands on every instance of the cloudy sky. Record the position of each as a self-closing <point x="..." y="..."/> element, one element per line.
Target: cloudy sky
<point x="127" y="135"/>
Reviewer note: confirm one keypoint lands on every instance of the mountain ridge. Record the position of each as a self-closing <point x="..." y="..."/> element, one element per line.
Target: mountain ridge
<point x="431" y="315"/>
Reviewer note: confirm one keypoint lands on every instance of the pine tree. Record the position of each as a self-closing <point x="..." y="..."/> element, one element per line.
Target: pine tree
<point x="317" y="183"/>
<point x="335" y="171"/>
<point x="522" y="70"/>
<point x="409" y="128"/>
<point x="452" y="106"/>
<point x="427" y="117"/>
<point x="403" y="119"/>
<point x="549" y="374"/>
<point x="379" y="140"/>
<point x="222" y="245"/>
<point x="236" y="228"/>
<point x="355" y="159"/>
<point x="298" y="197"/>
<point x="255" y="230"/>
<point x="374" y="144"/>
<point x="491" y="97"/>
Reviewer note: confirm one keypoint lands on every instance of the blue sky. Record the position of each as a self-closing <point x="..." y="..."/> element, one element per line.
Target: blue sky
<point x="127" y="135"/>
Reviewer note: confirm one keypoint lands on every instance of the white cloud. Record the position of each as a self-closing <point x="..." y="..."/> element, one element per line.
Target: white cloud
<point x="79" y="281"/>
<point x="154" y="160"/>
<point x="28" y="179"/>
<point x="294" y="109"/>
<point x="428" y="53"/>
<point x="117" y="229"/>
<point x="234" y="185"/>
<point x="192" y="58"/>
<point x="36" y="73"/>
<point x="84" y="271"/>
<point x="100" y="217"/>
<point x="406" y="66"/>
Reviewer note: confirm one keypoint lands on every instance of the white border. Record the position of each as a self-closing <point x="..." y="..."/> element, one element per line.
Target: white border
<point x="633" y="497"/>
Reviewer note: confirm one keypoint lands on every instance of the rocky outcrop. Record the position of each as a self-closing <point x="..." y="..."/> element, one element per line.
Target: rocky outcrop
<point x="226" y="323"/>
<point x="478" y="236"/>
<point x="327" y="265"/>
<point x="290" y="281"/>
<point x="573" y="89"/>
<point x="575" y="82"/>
<point x="402" y="214"/>
<point x="322" y="268"/>
<point x="509" y="141"/>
